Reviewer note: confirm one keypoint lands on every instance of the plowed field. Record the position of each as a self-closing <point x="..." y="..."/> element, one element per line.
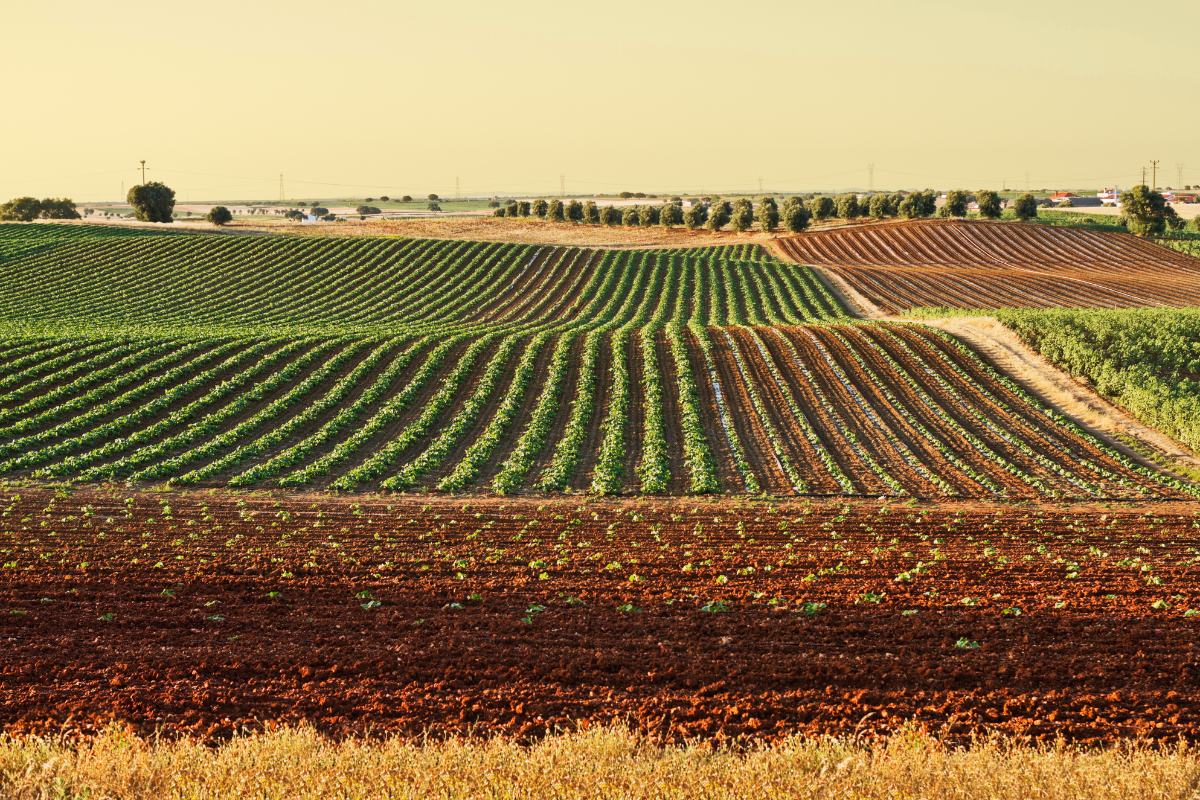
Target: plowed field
<point x="957" y="264"/>
<point x="199" y="613"/>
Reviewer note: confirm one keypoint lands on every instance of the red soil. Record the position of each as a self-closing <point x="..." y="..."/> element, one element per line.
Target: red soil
<point x="957" y="264"/>
<point x="157" y="610"/>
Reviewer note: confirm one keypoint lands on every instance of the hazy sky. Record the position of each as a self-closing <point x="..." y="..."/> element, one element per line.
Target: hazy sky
<point x="387" y="96"/>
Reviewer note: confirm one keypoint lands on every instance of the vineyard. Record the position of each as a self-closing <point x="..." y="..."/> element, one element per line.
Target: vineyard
<point x="982" y="265"/>
<point x="445" y="365"/>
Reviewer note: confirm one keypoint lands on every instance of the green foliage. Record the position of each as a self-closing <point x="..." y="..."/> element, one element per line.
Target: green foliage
<point x="768" y="214"/>
<point x="609" y="216"/>
<point x="574" y="211"/>
<point x="591" y="214"/>
<point x="695" y="215"/>
<point x="719" y="214"/>
<point x="523" y="208"/>
<point x="1146" y="360"/>
<point x="556" y="212"/>
<point x="648" y="215"/>
<point x="918" y="204"/>
<point x="821" y="208"/>
<point x="989" y="203"/>
<point x="1146" y="211"/>
<point x="671" y="214"/>
<point x="743" y="214"/>
<point x="847" y="206"/>
<point x="880" y="206"/>
<point x="27" y="209"/>
<point x="629" y="216"/>
<point x="220" y="215"/>
<point x="794" y="214"/>
<point x="1025" y="207"/>
<point x="540" y="208"/>
<point x="364" y="210"/>
<point x="956" y="203"/>
<point x="152" y="202"/>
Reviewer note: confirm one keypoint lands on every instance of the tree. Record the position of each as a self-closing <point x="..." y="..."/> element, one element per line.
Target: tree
<point x="432" y="197"/>
<point x="591" y="214"/>
<point x="500" y="211"/>
<point x="1196" y="223"/>
<point x="821" y="208"/>
<point x="847" y="205"/>
<point x="609" y="216"/>
<point x="406" y="199"/>
<point x="719" y="214"/>
<point x="695" y="215"/>
<point x="743" y="214"/>
<point x="648" y="215"/>
<point x="540" y="208"/>
<point x="219" y="215"/>
<point x="510" y="208"/>
<point x="910" y="206"/>
<point x="320" y="211"/>
<point x="294" y="214"/>
<point x="956" y="203"/>
<point x="152" y="202"/>
<point x="989" y="203"/>
<point x="556" y="212"/>
<point x="629" y="216"/>
<point x="574" y="211"/>
<point x="59" y="208"/>
<point x="523" y="208"/>
<point x="384" y="197"/>
<point x="768" y="214"/>
<point x="21" y="209"/>
<point x="362" y="211"/>
<point x="672" y="214"/>
<point x="795" y="215"/>
<point x="1146" y="210"/>
<point x="879" y="206"/>
<point x="1025" y="207"/>
<point x="433" y="206"/>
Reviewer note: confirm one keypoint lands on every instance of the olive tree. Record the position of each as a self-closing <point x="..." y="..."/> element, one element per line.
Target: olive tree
<point x="671" y="214"/>
<point x="591" y="214"/>
<point x="555" y="212"/>
<point x="956" y="203"/>
<point x="719" y="214"/>
<point x="540" y="208"/>
<point x="743" y="214"/>
<point x="794" y="214"/>
<point x="847" y="205"/>
<point x="609" y="216"/>
<point x="768" y="214"/>
<point x="574" y="211"/>
<point x="220" y="215"/>
<point x="821" y="208"/>
<point x="880" y="206"/>
<point x="629" y="216"/>
<point x="1146" y="211"/>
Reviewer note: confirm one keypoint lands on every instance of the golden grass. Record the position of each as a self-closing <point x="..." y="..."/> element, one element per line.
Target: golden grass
<point x="608" y="763"/>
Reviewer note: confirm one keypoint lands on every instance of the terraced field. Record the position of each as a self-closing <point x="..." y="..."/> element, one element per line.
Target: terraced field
<point x="957" y="264"/>
<point x="367" y="364"/>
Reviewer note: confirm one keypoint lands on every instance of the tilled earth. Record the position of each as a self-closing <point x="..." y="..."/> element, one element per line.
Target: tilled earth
<point x="208" y="613"/>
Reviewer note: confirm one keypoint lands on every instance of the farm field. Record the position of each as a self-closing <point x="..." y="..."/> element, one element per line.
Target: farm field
<point x="202" y="612"/>
<point x="384" y="364"/>
<point x="986" y="265"/>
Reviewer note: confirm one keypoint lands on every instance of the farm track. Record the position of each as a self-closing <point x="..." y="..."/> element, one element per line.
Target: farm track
<point x="979" y="265"/>
<point x="203" y="614"/>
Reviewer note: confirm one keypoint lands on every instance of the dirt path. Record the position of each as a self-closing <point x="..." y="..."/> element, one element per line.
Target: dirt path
<point x="1005" y="349"/>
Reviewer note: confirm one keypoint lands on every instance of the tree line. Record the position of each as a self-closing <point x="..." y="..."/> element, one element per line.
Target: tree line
<point x="794" y="213"/>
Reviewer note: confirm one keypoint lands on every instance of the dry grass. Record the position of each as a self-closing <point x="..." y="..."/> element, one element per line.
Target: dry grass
<point x="298" y="763"/>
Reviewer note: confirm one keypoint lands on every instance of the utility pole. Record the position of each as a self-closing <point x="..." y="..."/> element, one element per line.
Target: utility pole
<point x="871" y="177"/>
<point x="562" y="185"/>
<point x="143" y="170"/>
<point x="1154" y="174"/>
<point x="1178" y="175"/>
<point x="1143" y="175"/>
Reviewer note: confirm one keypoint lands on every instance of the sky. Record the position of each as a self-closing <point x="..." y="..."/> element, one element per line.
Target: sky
<point x="400" y="97"/>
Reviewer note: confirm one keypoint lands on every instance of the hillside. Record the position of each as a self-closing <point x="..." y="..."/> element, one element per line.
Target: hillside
<point x="396" y="364"/>
<point x="984" y="265"/>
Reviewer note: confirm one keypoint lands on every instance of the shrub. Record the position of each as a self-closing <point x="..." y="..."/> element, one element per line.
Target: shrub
<point x="1025" y="207"/>
<point x="989" y="203"/>
<point x="500" y="212"/>
<point x="152" y="202"/>
<point x="768" y="214"/>
<point x="219" y="215"/>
